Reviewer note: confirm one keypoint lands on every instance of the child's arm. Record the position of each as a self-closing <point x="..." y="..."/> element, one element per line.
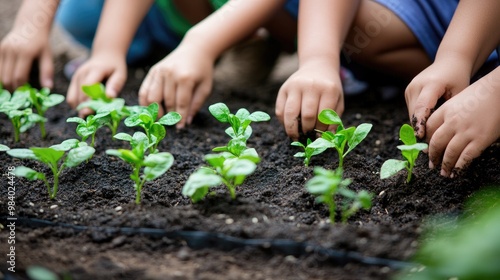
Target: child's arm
<point x="323" y="27"/>
<point x="117" y="26"/>
<point x="470" y="38"/>
<point x="26" y="42"/>
<point x="183" y="79"/>
<point x="464" y="126"/>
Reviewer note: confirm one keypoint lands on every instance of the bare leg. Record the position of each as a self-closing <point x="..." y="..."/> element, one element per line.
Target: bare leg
<point x="382" y="40"/>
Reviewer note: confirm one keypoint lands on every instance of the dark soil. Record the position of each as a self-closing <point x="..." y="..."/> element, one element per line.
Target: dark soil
<point x="272" y="203"/>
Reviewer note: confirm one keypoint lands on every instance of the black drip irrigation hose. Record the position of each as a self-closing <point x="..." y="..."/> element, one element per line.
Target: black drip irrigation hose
<point x="202" y="240"/>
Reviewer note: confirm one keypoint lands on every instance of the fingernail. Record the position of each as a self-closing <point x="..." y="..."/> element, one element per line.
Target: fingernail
<point x="431" y="165"/>
<point x="48" y="83"/>
<point x="452" y="175"/>
<point x="179" y="126"/>
<point x="189" y="120"/>
<point x="444" y="173"/>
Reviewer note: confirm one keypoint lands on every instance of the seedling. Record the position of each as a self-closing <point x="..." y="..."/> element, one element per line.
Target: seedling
<point x="70" y="152"/>
<point x="145" y="117"/>
<point x="154" y="165"/>
<point x="351" y="136"/>
<point x="42" y="100"/>
<point x="308" y="151"/>
<point x="88" y="127"/>
<point x="225" y="168"/>
<point x="4" y="148"/>
<point x="100" y="103"/>
<point x="240" y="129"/>
<point x="17" y="107"/>
<point x="326" y="184"/>
<point x="409" y="150"/>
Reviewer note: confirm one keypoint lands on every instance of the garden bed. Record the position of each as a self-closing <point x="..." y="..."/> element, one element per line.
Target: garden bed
<point x="272" y="204"/>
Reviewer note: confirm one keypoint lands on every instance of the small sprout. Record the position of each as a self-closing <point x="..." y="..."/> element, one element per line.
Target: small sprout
<point x="42" y="100"/>
<point x="326" y="184"/>
<point x="240" y="129"/>
<point x="409" y="150"/>
<point x="70" y="152"/>
<point x="145" y="117"/>
<point x="225" y="168"/>
<point x="351" y="136"/>
<point x="101" y="104"/>
<point x="154" y="165"/>
<point x="308" y="151"/>
<point x="88" y="127"/>
<point x="17" y="107"/>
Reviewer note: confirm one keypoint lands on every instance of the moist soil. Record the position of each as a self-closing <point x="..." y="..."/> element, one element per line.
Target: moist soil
<point x="272" y="203"/>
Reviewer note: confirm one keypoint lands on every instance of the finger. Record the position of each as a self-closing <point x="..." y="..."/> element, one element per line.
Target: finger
<point x="200" y="94"/>
<point x="309" y="113"/>
<point x="21" y="71"/>
<point x="8" y="64"/>
<point x="453" y="151"/>
<point x="115" y="83"/>
<point x="169" y="96"/>
<point x="469" y="153"/>
<point x="434" y="121"/>
<point x="291" y="115"/>
<point x="144" y="90"/>
<point x="424" y="105"/>
<point x="280" y="104"/>
<point x="183" y="97"/>
<point x="46" y="65"/>
<point x="438" y="144"/>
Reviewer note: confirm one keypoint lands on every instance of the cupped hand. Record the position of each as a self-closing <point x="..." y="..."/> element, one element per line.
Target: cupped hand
<point x="181" y="82"/>
<point x="98" y="68"/>
<point x="464" y="126"/>
<point x="314" y="87"/>
<point x="442" y="79"/>
<point x="17" y="55"/>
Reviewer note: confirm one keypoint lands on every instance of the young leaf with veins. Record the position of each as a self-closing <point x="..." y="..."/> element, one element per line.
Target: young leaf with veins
<point x="308" y="152"/>
<point x="410" y="151"/>
<point x="17" y="107"/>
<point x="69" y="153"/>
<point x="155" y="164"/>
<point x="240" y="129"/>
<point x="88" y="127"/>
<point x="351" y="136"/>
<point x="145" y="117"/>
<point x="326" y="184"/>
<point x="103" y="105"/>
<point x="224" y="168"/>
<point x="42" y="100"/>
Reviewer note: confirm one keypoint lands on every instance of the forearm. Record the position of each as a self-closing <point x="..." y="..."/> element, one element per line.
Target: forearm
<point x="36" y="16"/>
<point x="323" y="27"/>
<point x="118" y="25"/>
<point x="230" y="24"/>
<point x="473" y="33"/>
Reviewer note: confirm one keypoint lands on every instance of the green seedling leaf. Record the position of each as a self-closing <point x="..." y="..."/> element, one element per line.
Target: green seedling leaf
<point x="309" y="151"/>
<point x="96" y="91"/>
<point x="391" y="167"/>
<point x="22" y="154"/>
<point x="329" y="117"/>
<point x="47" y="155"/>
<point x="199" y="182"/>
<point x="79" y="155"/>
<point x="66" y="145"/>
<point x="28" y="173"/>
<point x="125" y="155"/>
<point x="220" y="111"/>
<point x="407" y="135"/>
<point x="358" y="136"/>
<point x="4" y="148"/>
<point x="410" y="152"/>
<point x="170" y="118"/>
<point x="157" y="164"/>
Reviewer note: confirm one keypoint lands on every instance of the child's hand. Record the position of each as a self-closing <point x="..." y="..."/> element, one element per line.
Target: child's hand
<point x="438" y="80"/>
<point x="17" y="55"/>
<point x="182" y="81"/>
<point x="100" y="67"/>
<point x="465" y="125"/>
<point x="314" y="87"/>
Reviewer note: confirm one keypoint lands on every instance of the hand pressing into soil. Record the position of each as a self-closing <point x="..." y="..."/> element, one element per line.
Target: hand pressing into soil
<point x="443" y="79"/>
<point x="181" y="82"/>
<point x="101" y="66"/>
<point x="464" y="126"/>
<point x="314" y="87"/>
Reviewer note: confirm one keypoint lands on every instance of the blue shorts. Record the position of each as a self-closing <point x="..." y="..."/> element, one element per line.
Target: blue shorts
<point x="427" y="19"/>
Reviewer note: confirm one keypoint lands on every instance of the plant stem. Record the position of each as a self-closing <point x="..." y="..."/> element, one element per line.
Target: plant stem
<point x="42" y="130"/>
<point x="17" y="131"/>
<point x="56" y="173"/>
<point x="93" y="140"/>
<point x="410" y="171"/>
